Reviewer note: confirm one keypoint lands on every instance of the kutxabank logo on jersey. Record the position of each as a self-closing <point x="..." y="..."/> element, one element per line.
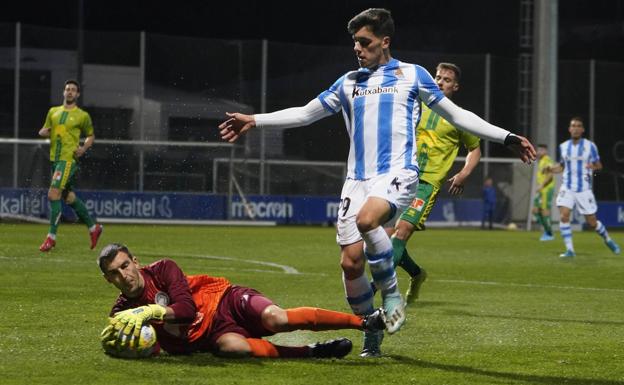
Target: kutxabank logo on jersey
<point x="359" y="91"/>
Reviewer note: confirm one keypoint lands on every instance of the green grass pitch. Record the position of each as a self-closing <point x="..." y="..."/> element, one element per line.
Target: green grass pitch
<point x="499" y="307"/>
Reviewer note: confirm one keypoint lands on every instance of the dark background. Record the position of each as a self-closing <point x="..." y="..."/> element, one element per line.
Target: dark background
<point x="587" y="28"/>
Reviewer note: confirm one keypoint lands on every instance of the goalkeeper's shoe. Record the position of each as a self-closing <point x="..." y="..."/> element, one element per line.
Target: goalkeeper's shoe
<point x="372" y="344"/>
<point x="567" y="254"/>
<point x="394" y="312"/>
<point x="95" y="235"/>
<point x="47" y="245"/>
<point x="546" y="237"/>
<point x="337" y="348"/>
<point x="413" y="291"/>
<point x="374" y="321"/>
<point x="613" y="246"/>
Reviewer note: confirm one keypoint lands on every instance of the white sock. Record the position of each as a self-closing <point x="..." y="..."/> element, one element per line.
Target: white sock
<point x="566" y="234"/>
<point x="378" y="250"/>
<point x="359" y="294"/>
<point x="602" y="231"/>
<point x="53" y="236"/>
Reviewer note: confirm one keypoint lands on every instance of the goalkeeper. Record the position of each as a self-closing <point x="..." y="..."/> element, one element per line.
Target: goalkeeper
<point x="204" y="313"/>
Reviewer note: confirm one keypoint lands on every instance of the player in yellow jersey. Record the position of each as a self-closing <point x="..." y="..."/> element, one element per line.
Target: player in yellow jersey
<point x="64" y="125"/>
<point x="438" y="143"/>
<point x="545" y="191"/>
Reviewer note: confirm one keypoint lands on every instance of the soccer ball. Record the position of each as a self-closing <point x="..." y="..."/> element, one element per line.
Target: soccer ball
<point x="145" y="347"/>
<point x="512" y="226"/>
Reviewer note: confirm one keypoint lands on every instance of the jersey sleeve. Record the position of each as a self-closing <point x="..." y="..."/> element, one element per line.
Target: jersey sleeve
<point x="48" y="120"/>
<point x="428" y="90"/>
<point x="331" y="99"/>
<point x="87" y="125"/>
<point x="181" y="300"/>
<point x="593" y="153"/>
<point x="560" y="155"/>
<point x="468" y="140"/>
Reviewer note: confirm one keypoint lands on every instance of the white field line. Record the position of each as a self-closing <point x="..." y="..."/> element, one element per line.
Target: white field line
<point x="285" y="269"/>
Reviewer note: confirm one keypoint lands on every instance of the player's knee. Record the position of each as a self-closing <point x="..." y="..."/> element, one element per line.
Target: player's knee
<point x="403" y="230"/>
<point x="274" y="319"/>
<point x="232" y="346"/>
<point x="352" y="268"/>
<point x="69" y="197"/>
<point x="365" y="223"/>
<point x="54" y="194"/>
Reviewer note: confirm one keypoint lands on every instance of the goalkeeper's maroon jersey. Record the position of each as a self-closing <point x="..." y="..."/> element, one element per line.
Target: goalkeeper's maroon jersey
<point x="194" y="300"/>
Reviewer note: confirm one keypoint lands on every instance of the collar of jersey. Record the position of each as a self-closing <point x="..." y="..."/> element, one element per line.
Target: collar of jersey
<point x="389" y="66"/>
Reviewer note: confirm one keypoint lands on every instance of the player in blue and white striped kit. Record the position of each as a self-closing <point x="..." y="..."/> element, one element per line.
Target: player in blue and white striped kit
<point x="578" y="159"/>
<point x="381" y="106"/>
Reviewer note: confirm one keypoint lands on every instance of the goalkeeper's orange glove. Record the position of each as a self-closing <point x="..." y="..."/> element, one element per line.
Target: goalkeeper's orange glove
<point x="130" y="321"/>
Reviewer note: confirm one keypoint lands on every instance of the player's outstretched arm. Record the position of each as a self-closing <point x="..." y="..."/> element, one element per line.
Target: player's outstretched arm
<point x="468" y="121"/>
<point x="238" y="123"/>
<point x="44" y="132"/>
<point x="521" y="147"/>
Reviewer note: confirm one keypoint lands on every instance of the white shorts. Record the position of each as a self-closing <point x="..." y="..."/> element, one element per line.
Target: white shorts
<point x="398" y="188"/>
<point x="584" y="201"/>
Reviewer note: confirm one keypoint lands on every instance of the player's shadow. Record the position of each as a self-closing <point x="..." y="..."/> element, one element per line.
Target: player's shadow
<point x="527" y="378"/>
<point x="463" y="313"/>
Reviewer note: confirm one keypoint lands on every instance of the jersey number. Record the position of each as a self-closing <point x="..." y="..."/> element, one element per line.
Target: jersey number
<point x="344" y="205"/>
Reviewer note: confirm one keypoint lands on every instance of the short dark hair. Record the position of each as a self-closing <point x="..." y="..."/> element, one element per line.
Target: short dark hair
<point x="451" y="67"/>
<point x="379" y="20"/>
<point x="577" y="118"/>
<point x="72" y="81"/>
<point x="109" y="252"/>
<point x="542" y="145"/>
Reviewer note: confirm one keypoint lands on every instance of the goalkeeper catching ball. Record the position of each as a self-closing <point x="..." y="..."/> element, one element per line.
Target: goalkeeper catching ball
<point x="194" y="313"/>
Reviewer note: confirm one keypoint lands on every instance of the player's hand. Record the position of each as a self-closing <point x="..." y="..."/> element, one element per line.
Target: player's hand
<point x="80" y="151"/>
<point x="457" y="184"/>
<point x="130" y="321"/>
<point x="235" y="126"/>
<point x="521" y="147"/>
<point x="45" y="132"/>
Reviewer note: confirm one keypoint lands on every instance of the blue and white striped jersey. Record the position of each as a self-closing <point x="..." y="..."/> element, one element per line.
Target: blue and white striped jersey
<point x="381" y="109"/>
<point x="575" y="158"/>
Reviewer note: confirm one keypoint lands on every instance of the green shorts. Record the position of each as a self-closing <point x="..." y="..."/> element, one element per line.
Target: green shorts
<point x="64" y="174"/>
<point x="418" y="212"/>
<point x="543" y="200"/>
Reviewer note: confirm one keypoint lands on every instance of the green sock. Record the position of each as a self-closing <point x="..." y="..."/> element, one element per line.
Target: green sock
<point x="408" y="264"/>
<point x="55" y="215"/>
<point x="398" y="247"/>
<point x="82" y="212"/>
<point x="538" y="219"/>
<point x="547" y="225"/>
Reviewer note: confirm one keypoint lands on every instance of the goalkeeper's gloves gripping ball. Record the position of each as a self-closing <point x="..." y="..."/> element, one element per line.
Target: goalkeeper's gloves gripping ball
<point x="130" y="321"/>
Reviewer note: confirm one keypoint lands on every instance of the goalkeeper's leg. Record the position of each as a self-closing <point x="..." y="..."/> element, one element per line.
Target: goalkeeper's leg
<point x="235" y="345"/>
